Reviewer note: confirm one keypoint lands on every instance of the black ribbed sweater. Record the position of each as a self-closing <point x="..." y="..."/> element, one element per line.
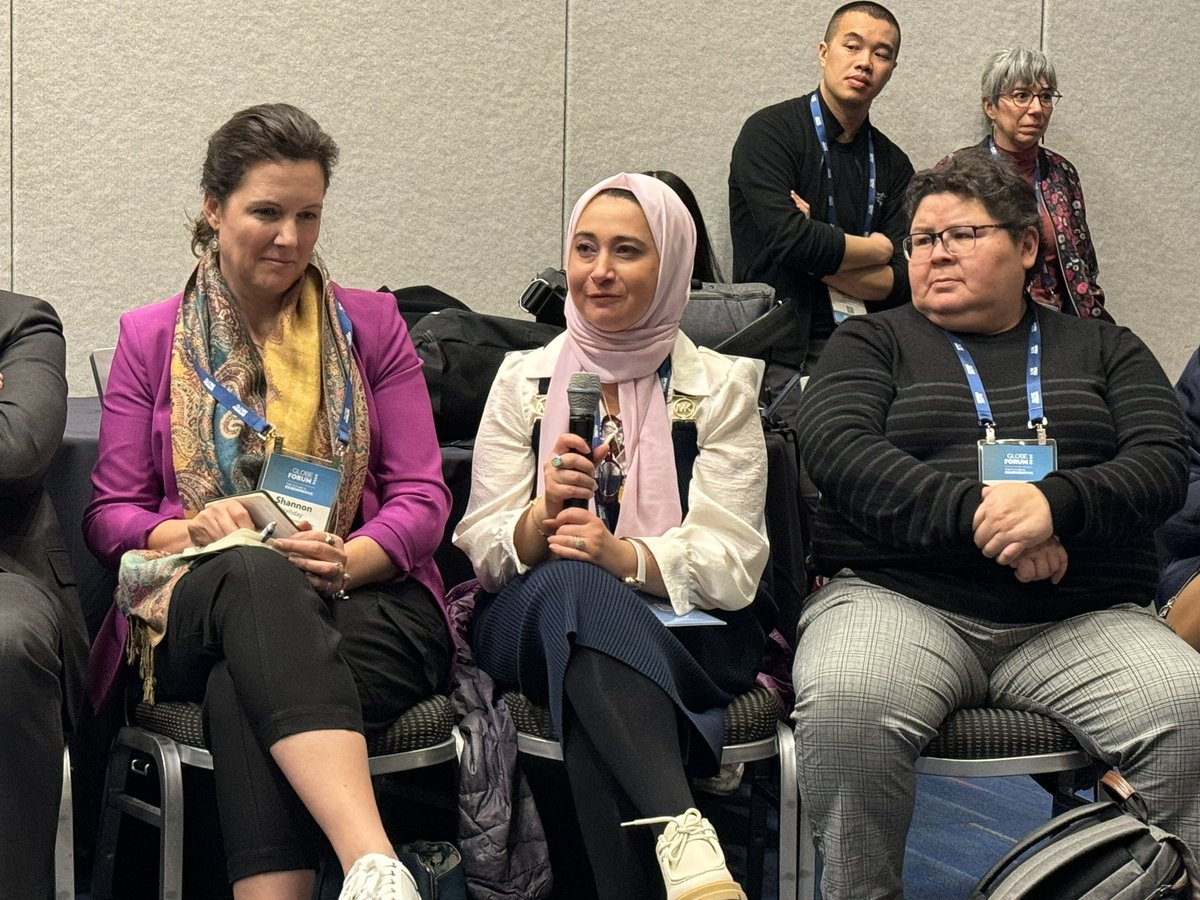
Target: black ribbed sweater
<point x="888" y="432"/>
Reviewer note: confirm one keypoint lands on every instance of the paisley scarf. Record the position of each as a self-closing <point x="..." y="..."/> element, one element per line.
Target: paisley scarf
<point x="217" y="454"/>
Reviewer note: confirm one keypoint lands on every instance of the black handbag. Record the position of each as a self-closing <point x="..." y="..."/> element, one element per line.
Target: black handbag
<point x="437" y="868"/>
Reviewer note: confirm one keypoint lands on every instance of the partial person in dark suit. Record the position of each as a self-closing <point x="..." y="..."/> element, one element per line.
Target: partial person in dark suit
<point x="43" y="642"/>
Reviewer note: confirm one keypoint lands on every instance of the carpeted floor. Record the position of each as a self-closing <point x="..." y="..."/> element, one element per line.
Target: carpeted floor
<point x="960" y="828"/>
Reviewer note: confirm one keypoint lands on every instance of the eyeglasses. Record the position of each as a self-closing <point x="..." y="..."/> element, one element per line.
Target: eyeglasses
<point x="959" y="240"/>
<point x="1024" y="98"/>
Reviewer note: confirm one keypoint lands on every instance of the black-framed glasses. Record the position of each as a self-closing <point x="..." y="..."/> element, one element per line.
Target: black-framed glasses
<point x="1023" y="98"/>
<point x="959" y="240"/>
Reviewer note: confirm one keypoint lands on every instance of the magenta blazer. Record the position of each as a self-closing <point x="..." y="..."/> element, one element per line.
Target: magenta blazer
<point x="405" y="502"/>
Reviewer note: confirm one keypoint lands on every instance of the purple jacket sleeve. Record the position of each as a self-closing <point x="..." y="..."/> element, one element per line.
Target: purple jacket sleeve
<point x="405" y="501"/>
<point x="129" y="497"/>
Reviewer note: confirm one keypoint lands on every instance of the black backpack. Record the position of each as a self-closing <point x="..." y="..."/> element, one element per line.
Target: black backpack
<point x="1098" y="851"/>
<point x="462" y="351"/>
<point x="419" y="300"/>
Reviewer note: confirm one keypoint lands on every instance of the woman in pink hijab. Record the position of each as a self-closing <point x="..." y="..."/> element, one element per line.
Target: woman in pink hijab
<point x="585" y="553"/>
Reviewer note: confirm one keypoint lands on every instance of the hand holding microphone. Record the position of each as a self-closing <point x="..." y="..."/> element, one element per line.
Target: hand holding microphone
<point x="583" y="399"/>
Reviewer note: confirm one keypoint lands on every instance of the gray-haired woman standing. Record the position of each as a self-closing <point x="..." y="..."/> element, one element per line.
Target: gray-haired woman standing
<point x="1019" y="91"/>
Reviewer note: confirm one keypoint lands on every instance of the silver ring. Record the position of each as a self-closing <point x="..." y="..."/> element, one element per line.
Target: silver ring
<point x="580" y="543"/>
<point x="556" y="461"/>
<point x="331" y="540"/>
<point x="341" y="569"/>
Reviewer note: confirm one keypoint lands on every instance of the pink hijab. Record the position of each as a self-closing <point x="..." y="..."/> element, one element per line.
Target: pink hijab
<point x="631" y="359"/>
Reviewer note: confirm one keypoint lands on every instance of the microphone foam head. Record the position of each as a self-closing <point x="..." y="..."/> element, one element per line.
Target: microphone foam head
<point x="583" y="393"/>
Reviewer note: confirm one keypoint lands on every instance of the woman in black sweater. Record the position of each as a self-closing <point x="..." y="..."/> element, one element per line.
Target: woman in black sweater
<point x="991" y="477"/>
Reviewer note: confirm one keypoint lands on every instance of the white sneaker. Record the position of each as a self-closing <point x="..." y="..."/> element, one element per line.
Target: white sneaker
<point x="690" y="856"/>
<point x="378" y="877"/>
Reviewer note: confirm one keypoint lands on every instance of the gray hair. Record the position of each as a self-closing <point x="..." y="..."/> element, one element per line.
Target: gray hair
<point x="1014" y="67"/>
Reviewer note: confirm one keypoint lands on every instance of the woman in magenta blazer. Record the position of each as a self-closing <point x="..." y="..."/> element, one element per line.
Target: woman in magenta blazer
<point x="294" y="654"/>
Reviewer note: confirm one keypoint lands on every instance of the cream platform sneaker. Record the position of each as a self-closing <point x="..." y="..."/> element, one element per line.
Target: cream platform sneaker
<point x="378" y="877"/>
<point x="693" y="865"/>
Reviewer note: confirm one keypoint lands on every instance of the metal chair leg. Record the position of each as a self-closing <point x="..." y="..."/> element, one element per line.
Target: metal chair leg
<point x="792" y="865"/>
<point x="64" y="848"/>
<point x="167" y="817"/>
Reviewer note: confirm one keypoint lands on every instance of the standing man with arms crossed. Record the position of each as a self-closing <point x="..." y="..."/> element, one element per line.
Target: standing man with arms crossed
<point x="816" y="192"/>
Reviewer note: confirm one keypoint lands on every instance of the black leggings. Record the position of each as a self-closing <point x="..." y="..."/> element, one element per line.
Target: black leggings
<point x="269" y="658"/>
<point x="621" y="747"/>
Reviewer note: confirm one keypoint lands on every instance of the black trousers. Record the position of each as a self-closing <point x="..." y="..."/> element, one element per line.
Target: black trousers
<point x="31" y="744"/>
<point x="268" y="658"/>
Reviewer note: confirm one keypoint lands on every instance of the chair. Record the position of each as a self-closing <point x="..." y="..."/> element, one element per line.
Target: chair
<point x="975" y="743"/>
<point x="168" y="736"/>
<point x="753" y="731"/>
<point x="64" y="841"/>
<point x="101" y="359"/>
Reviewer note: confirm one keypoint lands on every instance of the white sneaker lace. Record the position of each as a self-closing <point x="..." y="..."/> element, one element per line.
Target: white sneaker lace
<point x="689" y="826"/>
<point x="378" y="877"/>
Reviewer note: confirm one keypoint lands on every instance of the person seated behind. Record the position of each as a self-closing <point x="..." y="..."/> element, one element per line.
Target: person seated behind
<point x="1179" y="537"/>
<point x="705" y="267"/>
<point x="965" y="574"/>
<point x="567" y="542"/>
<point x="43" y="641"/>
<point x="293" y="654"/>
<point x="1020" y="89"/>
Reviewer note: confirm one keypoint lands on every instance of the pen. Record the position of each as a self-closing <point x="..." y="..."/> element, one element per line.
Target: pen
<point x="267" y="531"/>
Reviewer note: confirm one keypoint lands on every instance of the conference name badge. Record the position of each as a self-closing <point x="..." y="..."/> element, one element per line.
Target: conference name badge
<point x="304" y="487"/>
<point x="1016" y="460"/>
<point x="845" y="306"/>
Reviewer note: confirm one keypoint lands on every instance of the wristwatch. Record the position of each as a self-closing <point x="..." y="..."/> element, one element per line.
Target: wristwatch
<point x="638" y="580"/>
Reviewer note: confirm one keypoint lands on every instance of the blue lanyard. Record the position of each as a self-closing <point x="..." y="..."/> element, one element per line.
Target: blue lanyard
<point x="261" y="426"/>
<point x="1033" y="382"/>
<point x="822" y="138"/>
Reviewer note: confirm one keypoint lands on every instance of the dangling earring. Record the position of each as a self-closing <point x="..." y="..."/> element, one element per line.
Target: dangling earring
<point x="214" y="244"/>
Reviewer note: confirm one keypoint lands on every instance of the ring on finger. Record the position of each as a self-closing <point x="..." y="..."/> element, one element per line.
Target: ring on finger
<point x="556" y="461"/>
<point x="580" y="543"/>
<point x="331" y="540"/>
<point x="341" y="569"/>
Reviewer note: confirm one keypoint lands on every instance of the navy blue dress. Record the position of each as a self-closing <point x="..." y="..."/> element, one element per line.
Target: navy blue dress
<point x="523" y="637"/>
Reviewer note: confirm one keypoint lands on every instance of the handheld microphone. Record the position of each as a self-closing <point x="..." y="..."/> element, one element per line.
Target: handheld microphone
<point x="583" y="398"/>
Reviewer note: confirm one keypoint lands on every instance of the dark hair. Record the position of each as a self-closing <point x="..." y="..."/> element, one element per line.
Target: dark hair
<point x="704" y="267"/>
<point x="269" y="132"/>
<point x="622" y="193"/>
<point x="974" y="175"/>
<point x="874" y="10"/>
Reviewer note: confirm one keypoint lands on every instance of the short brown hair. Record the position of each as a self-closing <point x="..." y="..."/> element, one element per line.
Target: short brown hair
<point x="268" y="132"/>
<point x="974" y="175"/>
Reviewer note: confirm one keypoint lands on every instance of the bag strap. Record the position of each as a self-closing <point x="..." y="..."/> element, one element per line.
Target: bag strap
<point x="1127" y="802"/>
<point x="1191" y="878"/>
<point x="1131" y="801"/>
<point x="1054" y="827"/>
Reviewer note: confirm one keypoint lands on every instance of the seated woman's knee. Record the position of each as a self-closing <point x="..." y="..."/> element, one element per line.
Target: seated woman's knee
<point x="253" y="575"/>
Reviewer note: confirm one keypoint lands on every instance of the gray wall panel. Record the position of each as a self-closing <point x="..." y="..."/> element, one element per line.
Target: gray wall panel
<point x="1128" y="123"/>
<point x="706" y="82"/>
<point x="449" y="119"/>
<point x="673" y="94"/>
<point x="5" y="157"/>
<point x="467" y="131"/>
